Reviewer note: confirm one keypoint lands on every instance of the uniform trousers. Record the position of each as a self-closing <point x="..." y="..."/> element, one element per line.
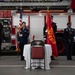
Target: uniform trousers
<point x="69" y="50"/>
<point x="21" y="46"/>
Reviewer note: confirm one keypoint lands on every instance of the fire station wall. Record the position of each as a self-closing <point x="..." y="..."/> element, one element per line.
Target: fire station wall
<point x="73" y="21"/>
<point x="36" y="23"/>
<point x="16" y="19"/>
<point x="61" y="20"/>
<point x="36" y="27"/>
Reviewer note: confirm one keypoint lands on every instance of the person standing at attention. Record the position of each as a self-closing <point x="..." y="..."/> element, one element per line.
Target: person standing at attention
<point x="23" y="38"/>
<point x="69" y="37"/>
<point x="1" y="30"/>
<point x="54" y="26"/>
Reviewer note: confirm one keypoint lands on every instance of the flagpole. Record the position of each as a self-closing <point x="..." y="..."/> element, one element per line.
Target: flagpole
<point x="19" y="27"/>
<point x="20" y="15"/>
<point x="48" y="8"/>
<point x="50" y="34"/>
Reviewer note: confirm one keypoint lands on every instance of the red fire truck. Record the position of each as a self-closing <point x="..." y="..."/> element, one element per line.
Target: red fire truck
<point x="9" y="30"/>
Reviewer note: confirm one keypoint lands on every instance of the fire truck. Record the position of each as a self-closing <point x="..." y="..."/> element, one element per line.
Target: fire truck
<point x="8" y="40"/>
<point x="11" y="21"/>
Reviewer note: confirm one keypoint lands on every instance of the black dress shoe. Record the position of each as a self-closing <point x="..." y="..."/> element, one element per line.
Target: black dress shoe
<point x="22" y="59"/>
<point x="69" y="59"/>
<point x="52" y="58"/>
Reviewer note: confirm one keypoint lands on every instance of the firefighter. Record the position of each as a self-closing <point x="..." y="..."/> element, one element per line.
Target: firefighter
<point x="1" y="30"/>
<point x="69" y="36"/>
<point x="54" y="26"/>
<point x="23" y="38"/>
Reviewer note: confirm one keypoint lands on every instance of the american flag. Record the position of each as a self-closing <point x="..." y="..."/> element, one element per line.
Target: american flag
<point x="20" y="24"/>
<point x="20" y="21"/>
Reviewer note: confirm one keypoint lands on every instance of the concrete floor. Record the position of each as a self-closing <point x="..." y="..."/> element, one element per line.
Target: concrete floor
<point x="11" y="65"/>
<point x="22" y="71"/>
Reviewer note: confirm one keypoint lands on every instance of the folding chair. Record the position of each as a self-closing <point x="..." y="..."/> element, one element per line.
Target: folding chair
<point x="37" y="52"/>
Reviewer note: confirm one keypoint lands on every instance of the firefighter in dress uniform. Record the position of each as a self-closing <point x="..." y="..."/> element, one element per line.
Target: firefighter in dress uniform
<point x="23" y="38"/>
<point x="69" y="36"/>
<point x="54" y="26"/>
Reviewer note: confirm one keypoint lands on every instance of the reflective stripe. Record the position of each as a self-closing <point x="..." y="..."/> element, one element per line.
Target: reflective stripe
<point x="13" y="37"/>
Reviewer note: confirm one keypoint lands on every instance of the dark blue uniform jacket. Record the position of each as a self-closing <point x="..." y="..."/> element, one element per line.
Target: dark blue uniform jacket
<point x="23" y="39"/>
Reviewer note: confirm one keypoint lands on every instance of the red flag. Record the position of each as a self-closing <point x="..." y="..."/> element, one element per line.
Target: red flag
<point x="50" y="36"/>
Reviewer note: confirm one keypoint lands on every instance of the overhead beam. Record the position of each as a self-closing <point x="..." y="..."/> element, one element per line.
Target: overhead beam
<point x="63" y="3"/>
<point x="36" y="8"/>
